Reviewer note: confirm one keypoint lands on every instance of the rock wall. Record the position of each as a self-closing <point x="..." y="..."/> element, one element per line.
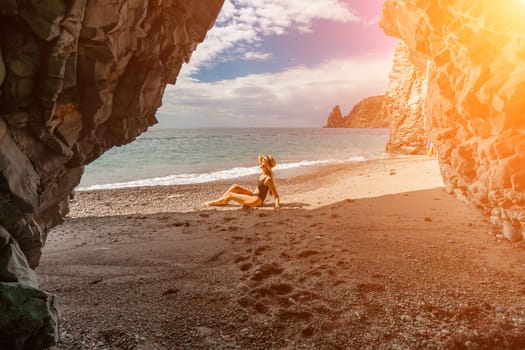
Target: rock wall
<point x="77" y="77"/>
<point x="368" y="113"/>
<point x="404" y="105"/>
<point x="474" y="56"/>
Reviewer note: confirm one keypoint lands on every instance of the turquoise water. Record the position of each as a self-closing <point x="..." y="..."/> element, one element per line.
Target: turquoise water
<point x="183" y="156"/>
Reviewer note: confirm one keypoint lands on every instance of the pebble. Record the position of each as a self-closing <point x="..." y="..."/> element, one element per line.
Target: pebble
<point x="500" y="308"/>
<point x="205" y="331"/>
<point x="406" y="318"/>
<point x="421" y="319"/>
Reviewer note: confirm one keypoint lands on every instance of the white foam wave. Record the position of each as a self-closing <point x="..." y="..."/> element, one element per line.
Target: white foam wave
<point x="185" y="179"/>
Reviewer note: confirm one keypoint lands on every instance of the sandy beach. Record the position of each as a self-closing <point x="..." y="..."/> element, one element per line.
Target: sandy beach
<point x="373" y="255"/>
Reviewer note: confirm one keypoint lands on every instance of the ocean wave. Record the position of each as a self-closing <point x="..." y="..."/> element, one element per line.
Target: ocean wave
<point x="186" y="179"/>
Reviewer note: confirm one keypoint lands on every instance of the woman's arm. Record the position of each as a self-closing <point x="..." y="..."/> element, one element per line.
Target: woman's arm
<point x="271" y="185"/>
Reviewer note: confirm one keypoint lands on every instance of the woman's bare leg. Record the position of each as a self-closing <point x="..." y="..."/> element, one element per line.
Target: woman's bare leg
<point x="239" y="189"/>
<point x="234" y="189"/>
<point x="246" y="200"/>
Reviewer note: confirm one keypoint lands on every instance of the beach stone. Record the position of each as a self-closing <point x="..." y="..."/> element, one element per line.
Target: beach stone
<point x="205" y="332"/>
<point x="29" y="318"/>
<point x="500" y="308"/>
<point x="76" y="79"/>
<point x="421" y="319"/>
<point x="406" y="318"/>
<point x="458" y="81"/>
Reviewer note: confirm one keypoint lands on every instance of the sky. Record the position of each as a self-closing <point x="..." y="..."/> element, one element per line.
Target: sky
<point x="281" y="63"/>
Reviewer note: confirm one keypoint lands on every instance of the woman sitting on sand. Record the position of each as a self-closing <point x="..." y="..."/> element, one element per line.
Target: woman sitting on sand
<point x="256" y="198"/>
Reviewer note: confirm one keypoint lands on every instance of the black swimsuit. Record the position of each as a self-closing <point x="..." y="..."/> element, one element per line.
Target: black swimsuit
<point x="262" y="189"/>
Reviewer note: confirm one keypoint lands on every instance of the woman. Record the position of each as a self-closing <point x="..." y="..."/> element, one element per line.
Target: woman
<point x="256" y="198"/>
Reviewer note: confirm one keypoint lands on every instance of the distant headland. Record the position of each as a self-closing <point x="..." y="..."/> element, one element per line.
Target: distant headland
<point x="368" y="113"/>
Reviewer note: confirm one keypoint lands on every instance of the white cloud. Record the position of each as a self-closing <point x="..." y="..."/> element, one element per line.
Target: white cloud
<point x="299" y="96"/>
<point x="248" y="21"/>
<point x="252" y="55"/>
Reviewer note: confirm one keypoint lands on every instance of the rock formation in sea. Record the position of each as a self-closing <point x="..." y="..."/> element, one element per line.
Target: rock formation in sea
<point x="77" y="77"/>
<point x="368" y="113"/>
<point x="472" y="56"/>
<point x="335" y="118"/>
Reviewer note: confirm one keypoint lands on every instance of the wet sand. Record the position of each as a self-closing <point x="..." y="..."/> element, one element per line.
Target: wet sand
<point x="368" y="256"/>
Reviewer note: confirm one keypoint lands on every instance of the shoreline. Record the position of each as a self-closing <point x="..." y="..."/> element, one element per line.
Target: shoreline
<point x="314" y="182"/>
<point x="286" y="172"/>
<point x="183" y="157"/>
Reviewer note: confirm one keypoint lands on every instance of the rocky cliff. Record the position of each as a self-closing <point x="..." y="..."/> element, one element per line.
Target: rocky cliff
<point x="368" y="113"/>
<point x="472" y="54"/>
<point x="77" y="77"/>
<point x="404" y="105"/>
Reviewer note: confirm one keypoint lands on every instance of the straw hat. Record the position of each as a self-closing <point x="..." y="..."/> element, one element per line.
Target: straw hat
<point x="270" y="160"/>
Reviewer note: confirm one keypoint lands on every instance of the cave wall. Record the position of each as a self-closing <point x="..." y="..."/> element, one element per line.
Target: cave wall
<point x="77" y="77"/>
<point x="473" y="53"/>
<point x="404" y="105"/>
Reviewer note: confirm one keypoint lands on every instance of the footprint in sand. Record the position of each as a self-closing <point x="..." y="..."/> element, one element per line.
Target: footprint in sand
<point x="307" y="253"/>
<point x="314" y="272"/>
<point x="259" y="250"/>
<point x="245" y="267"/>
<point x="246" y="301"/>
<point x="308" y="331"/>
<point x="272" y="289"/>
<point x="290" y="315"/>
<point x="266" y="271"/>
<point x="343" y="265"/>
<point x="285" y="255"/>
<point x="240" y="259"/>
<point x="180" y="223"/>
<point x="338" y="282"/>
<point x="261" y="308"/>
<point x="369" y="287"/>
<point x="323" y="309"/>
<point x="215" y="257"/>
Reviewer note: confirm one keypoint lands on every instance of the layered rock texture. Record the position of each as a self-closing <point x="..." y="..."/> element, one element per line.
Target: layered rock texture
<point x="404" y="105"/>
<point x="368" y="113"/>
<point x="473" y="56"/>
<point x="77" y="77"/>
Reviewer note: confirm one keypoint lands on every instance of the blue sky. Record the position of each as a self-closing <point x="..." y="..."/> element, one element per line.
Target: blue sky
<point x="281" y="63"/>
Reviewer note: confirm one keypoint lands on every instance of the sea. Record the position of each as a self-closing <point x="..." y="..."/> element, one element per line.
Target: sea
<point x="163" y="156"/>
